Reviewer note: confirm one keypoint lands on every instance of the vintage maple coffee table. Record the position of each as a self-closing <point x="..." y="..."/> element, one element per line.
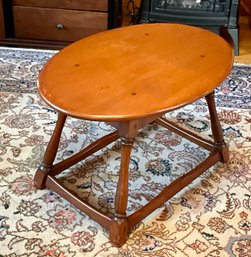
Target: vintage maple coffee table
<point x="129" y="77"/>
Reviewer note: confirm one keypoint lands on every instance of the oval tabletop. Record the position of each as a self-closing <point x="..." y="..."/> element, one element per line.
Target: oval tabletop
<point x="135" y="71"/>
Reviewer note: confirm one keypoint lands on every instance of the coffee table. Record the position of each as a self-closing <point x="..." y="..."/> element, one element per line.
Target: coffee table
<point x="130" y="77"/>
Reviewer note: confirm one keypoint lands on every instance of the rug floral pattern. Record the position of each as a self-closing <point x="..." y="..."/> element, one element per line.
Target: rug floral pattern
<point x="211" y="217"/>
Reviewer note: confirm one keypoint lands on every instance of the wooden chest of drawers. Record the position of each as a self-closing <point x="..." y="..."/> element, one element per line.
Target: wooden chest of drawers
<point x="55" y="23"/>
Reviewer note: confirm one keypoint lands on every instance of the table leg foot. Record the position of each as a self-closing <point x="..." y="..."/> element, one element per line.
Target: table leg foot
<point x="118" y="232"/>
<point x="224" y="150"/>
<point x="40" y="176"/>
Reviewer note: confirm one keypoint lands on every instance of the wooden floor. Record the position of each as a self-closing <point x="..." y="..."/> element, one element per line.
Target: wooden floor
<point x="244" y="41"/>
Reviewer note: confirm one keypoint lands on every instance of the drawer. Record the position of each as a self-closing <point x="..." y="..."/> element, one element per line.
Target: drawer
<point x="88" y="5"/>
<point x="56" y="24"/>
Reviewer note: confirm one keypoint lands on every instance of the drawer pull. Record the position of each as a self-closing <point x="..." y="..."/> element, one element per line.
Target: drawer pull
<point x="60" y="26"/>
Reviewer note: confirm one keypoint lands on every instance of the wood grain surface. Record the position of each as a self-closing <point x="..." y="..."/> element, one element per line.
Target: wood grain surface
<point x="135" y="72"/>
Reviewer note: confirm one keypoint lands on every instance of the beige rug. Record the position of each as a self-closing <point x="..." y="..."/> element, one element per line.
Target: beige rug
<point x="211" y="217"/>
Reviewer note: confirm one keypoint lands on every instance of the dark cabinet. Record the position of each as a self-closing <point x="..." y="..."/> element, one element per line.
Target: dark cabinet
<point x="55" y="23"/>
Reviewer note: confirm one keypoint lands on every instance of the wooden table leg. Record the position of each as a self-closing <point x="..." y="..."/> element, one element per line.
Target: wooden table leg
<point x="119" y="225"/>
<point x="118" y="231"/>
<point x="50" y="154"/>
<point x="217" y="132"/>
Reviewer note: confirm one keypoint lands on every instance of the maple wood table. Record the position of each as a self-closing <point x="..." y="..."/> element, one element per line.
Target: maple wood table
<point x="129" y="77"/>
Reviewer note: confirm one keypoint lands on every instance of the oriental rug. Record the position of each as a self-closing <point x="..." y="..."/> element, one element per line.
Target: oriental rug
<point x="211" y="217"/>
